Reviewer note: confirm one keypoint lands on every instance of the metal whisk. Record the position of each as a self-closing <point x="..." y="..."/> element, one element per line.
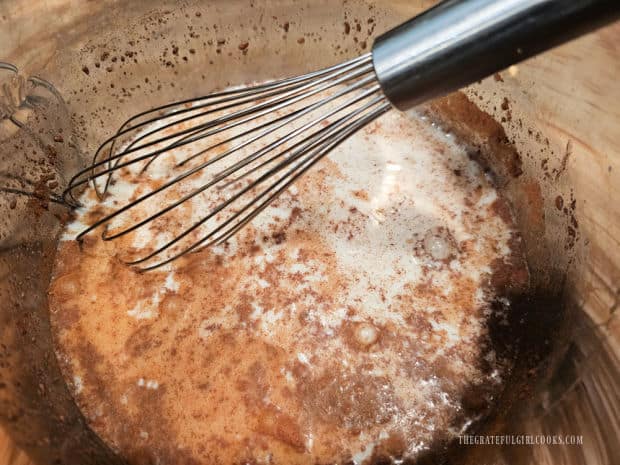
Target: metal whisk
<point x="247" y="146"/>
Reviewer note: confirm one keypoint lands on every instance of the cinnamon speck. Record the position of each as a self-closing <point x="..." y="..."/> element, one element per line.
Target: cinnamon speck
<point x="361" y="194"/>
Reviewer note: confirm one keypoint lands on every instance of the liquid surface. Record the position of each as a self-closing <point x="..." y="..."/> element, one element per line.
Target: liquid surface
<point x="349" y="322"/>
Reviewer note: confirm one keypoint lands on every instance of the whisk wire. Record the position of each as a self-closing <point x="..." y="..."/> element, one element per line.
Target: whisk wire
<point x="273" y="133"/>
<point x="257" y="111"/>
<point x="269" y="106"/>
<point x="306" y="145"/>
<point x="192" y="104"/>
<point x="232" y="169"/>
<point x="296" y="173"/>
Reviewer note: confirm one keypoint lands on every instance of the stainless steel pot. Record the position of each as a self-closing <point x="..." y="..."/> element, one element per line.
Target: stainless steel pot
<point x="547" y="129"/>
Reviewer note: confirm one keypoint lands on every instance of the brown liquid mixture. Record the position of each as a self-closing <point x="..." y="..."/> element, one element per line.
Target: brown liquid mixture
<point x="348" y="323"/>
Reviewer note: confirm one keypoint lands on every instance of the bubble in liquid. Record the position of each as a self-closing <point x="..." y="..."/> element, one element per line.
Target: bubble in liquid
<point x="366" y="334"/>
<point x="438" y="243"/>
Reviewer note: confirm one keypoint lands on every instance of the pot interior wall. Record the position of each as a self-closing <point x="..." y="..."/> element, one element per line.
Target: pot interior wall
<point x="110" y="59"/>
